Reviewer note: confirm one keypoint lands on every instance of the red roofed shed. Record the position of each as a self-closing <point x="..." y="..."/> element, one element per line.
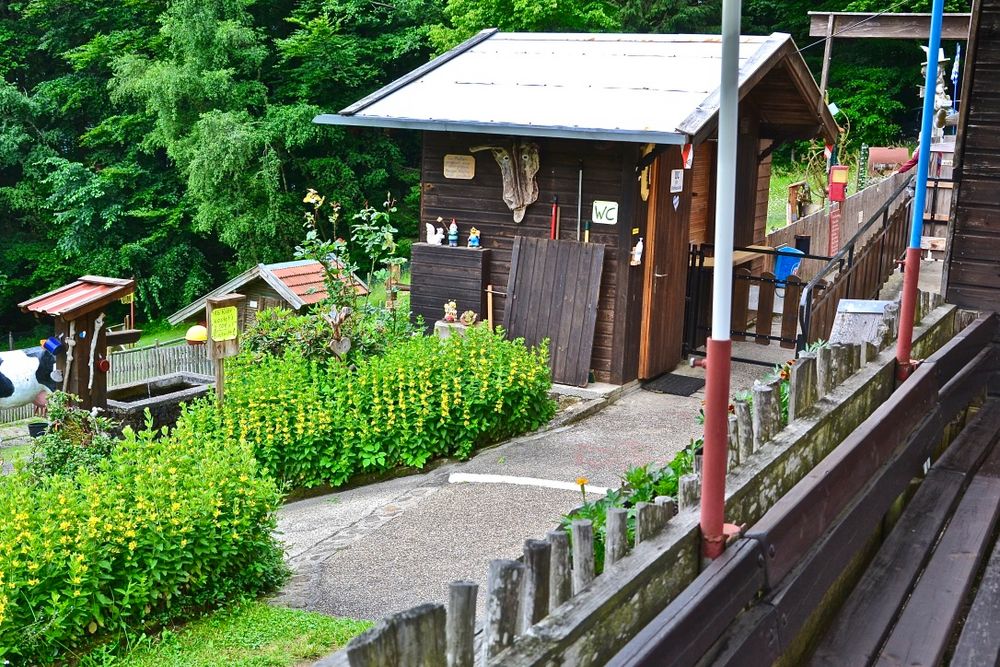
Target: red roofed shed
<point x="283" y="285"/>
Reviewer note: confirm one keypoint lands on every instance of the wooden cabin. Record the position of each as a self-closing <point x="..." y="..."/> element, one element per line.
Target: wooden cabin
<point x="625" y="120"/>
<point x="290" y="285"/>
<point x="972" y="276"/>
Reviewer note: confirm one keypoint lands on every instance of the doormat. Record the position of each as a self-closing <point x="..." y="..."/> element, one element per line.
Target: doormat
<point x="671" y="383"/>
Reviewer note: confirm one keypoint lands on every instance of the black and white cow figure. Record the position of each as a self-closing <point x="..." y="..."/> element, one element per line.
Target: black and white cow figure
<point x="28" y="376"/>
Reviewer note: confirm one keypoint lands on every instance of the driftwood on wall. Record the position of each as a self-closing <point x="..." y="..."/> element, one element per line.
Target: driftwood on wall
<point x="518" y="167"/>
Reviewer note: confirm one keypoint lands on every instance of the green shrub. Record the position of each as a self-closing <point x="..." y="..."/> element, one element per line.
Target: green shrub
<point x="161" y="527"/>
<point x="75" y="439"/>
<point x="372" y="330"/>
<point x="313" y="422"/>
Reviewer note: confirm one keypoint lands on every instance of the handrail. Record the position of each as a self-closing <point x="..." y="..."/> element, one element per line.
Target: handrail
<point x="837" y="261"/>
<point x="848" y="247"/>
<point x="770" y="251"/>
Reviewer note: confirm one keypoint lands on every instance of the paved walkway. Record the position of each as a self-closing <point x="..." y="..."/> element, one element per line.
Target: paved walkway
<point x="385" y="547"/>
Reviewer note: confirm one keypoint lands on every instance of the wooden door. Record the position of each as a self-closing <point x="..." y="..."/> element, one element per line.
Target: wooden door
<point x="665" y="267"/>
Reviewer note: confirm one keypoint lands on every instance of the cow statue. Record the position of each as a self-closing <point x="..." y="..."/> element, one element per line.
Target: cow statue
<point x="28" y="376"/>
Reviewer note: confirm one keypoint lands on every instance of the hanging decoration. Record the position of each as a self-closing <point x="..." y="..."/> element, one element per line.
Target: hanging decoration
<point x="518" y="167"/>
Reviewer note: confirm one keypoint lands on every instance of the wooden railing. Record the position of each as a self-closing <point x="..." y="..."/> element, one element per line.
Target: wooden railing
<point x="854" y="213"/>
<point x="750" y="606"/>
<point x="143" y="363"/>
<point x="859" y="269"/>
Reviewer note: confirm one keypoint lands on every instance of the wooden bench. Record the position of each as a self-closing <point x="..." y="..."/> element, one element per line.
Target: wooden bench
<point x="904" y="608"/>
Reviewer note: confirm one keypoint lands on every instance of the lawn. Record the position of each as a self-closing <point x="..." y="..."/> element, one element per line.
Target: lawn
<point x="249" y="634"/>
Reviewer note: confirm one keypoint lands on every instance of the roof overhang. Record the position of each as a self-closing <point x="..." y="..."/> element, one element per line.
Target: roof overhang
<point x="697" y="104"/>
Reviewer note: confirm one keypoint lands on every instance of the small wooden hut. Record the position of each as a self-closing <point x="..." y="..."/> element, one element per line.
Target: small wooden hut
<point x="614" y="130"/>
<point x="290" y="285"/>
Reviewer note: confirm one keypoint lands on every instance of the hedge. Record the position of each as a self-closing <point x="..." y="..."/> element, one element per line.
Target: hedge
<point x="161" y="527"/>
<point x="316" y="422"/>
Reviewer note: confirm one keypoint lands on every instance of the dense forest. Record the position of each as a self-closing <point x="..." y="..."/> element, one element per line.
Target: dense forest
<point x="172" y="141"/>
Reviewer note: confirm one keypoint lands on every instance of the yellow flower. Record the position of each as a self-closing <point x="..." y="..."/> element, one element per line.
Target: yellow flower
<point x="581" y="481"/>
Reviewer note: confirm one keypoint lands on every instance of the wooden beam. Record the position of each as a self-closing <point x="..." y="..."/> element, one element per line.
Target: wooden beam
<point x="827" y="48"/>
<point x="886" y="26"/>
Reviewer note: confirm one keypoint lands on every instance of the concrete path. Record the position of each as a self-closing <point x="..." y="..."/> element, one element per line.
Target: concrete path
<point x="371" y="551"/>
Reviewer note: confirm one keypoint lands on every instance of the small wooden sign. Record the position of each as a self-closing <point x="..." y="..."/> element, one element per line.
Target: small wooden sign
<point x="222" y="320"/>
<point x="224" y="323"/>
<point x="604" y="212"/>
<point x="462" y="167"/>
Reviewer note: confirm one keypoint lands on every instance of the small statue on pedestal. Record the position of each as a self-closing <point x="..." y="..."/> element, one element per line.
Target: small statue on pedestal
<point x="473" y="238"/>
<point x="453" y="234"/>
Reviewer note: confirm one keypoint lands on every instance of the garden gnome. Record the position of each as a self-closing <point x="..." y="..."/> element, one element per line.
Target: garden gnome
<point x="473" y="238"/>
<point x="453" y="234"/>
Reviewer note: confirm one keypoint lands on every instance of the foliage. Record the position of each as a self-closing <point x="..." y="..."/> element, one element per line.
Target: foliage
<point x="640" y="484"/>
<point x="314" y="422"/>
<point x="75" y="440"/>
<point x="310" y="336"/>
<point x="464" y="18"/>
<point x="245" y="634"/>
<point x="162" y="526"/>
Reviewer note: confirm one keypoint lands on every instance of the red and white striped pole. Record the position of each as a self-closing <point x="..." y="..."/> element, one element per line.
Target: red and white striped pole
<point x="718" y="352"/>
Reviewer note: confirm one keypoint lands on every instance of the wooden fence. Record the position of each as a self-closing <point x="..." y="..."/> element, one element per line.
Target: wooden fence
<point x="555" y="571"/>
<point x="172" y="356"/>
<point x="8" y="415"/>
<point x="860" y="269"/>
<point x="754" y="605"/>
<point x="854" y="213"/>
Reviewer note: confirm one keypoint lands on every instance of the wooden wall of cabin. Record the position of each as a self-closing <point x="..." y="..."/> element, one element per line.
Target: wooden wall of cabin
<point x="973" y="278"/>
<point x="608" y="174"/>
<point x="259" y="292"/>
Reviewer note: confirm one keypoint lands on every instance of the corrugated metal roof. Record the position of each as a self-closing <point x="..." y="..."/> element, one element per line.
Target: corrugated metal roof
<point x="596" y="86"/>
<point x="88" y="293"/>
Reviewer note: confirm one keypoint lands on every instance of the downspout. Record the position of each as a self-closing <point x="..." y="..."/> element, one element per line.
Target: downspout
<point x="718" y="358"/>
<point x="908" y="305"/>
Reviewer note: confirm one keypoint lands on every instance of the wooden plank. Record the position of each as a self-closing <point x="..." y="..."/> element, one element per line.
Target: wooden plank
<point x="692" y="622"/>
<point x="741" y="301"/>
<point x="979" y="643"/>
<point x="853" y="25"/>
<point x="920" y="636"/>
<point x="786" y="531"/>
<point x="863" y="622"/>
<point x="790" y="312"/>
<point x="765" y="309"/>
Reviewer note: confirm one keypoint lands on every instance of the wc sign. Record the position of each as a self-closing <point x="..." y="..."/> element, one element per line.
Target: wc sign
<point x="604" y="212"/>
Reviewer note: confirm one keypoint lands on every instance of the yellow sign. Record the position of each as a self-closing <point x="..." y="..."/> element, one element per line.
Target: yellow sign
<point x="128" y="298"/>
<point x="224" y="324"/>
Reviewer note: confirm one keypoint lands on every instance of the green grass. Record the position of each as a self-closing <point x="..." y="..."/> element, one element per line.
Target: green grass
<point x="777" y="199"/>
<point x="15" y="453"/>
<point x="162" y="331"/>
<point x="249" y="634"/>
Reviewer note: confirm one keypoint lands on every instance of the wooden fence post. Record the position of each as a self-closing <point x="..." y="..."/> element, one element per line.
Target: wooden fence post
<point x="802" y="391"/>
<point x="412" y="637"/>
<point x="824" y="371"/>
<point x="616" y="536"/>
<point x="461" y="628"/>
<point x="535" y="601"/>
<point x="502" y="602"/>
<point x="688" y="491"/>
<point x="734" y="442"/>
<point x="777" y="420"/>
<point x="744" y="428"/>
<point x="868" y="353"/>
<point x="763" y="396"/>
<point x="560" y="582"/>
<point x="583" y="554"/>
<point x="669" y="507"/>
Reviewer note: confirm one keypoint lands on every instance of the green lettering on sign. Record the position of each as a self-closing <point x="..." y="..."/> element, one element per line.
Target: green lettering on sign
<point x="224" y="324"/>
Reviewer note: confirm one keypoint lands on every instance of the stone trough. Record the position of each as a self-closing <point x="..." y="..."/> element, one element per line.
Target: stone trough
<point x="162" y="395"/>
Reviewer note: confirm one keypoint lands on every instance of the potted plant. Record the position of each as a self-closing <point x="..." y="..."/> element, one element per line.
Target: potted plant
<point x="37" y="427"/>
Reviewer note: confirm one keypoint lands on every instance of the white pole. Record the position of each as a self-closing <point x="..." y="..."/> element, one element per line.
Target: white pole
<point x="718" y="348"/>
<point x="725" y="191"/>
